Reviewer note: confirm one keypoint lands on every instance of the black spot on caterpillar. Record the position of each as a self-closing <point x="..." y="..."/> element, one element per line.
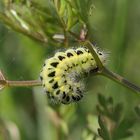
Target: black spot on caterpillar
<point x="55" y="86"/>
<point x="51" y="74"/>
<point x="69" y="54"/>
<point x="79" y="52"/>
<point x="58" y="91"/>
<point x="51" y="80"/>
<point x="61" y="74"/>
<point x="61" y="57"/>
<point x="54" y="64"/>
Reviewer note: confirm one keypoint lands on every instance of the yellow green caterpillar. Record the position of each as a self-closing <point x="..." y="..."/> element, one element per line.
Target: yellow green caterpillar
<point x="61" y="75"/>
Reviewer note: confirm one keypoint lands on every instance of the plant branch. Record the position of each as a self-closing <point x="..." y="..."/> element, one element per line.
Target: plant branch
<point x="91" y="47"/>
<point x="107" y="73"/>
<point x="8" y="83"/>
<point x="23" y="83"/>
<point x="34" y="35"/>
<point x="119" y="79"/>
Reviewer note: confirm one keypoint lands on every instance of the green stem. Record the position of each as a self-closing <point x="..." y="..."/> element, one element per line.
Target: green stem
<point x="119" y="79"/>
<point x="20" y="83"/>
<point x="34" y="35"/>
<point x="91" y="48"/>
<point x="107" y="73"/>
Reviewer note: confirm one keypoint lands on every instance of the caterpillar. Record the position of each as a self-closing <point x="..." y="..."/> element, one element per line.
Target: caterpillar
<point x="61" y="74"/>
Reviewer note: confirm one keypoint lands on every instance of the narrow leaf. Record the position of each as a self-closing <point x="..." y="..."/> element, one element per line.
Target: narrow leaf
<point x="103" y="131"/>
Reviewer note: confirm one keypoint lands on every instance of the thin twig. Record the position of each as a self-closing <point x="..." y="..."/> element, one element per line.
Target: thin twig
<point x="121" y="80"/>
<point x="34" y="35"/>
<point x="23" y="83"/>
<point x="8" y="83"/>
<point x="76" y="37"/>
<point x="91" y="47"/>
<point x="107" y="73"/>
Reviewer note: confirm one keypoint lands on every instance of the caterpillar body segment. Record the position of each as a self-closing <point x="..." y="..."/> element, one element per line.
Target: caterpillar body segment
<point x="61" y="75"/>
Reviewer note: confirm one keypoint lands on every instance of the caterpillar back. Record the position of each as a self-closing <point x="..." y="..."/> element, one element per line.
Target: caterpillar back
<point x="61" y="75"/>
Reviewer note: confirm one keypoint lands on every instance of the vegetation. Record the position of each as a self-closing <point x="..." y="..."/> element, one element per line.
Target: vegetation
<point x="31" y="31"/>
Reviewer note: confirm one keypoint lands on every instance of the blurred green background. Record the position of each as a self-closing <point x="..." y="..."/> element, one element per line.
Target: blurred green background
<point x="25" y="113"/>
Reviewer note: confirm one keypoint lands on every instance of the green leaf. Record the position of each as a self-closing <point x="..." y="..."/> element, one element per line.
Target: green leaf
<point x="62" y="8"/>
<point x="117" y="112"/>
<point x="102" y="100"/>
<point x="110" y="100"/>
<point x="137" y="110"/>
<point x="72" y="17"/>
<point x="122" y="130"/>
<point x="103" y="131"/>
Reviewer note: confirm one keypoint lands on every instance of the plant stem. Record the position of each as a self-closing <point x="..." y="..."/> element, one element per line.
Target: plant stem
<point x="20" y="83"/>
<point x="34" y="35"/>
<point x="91" y="47"/>
<point x="119" y="79"/>
<point x="107" y="73"/>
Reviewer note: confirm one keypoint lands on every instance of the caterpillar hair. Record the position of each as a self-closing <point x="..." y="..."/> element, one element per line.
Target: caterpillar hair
<point x="61" y="74"/>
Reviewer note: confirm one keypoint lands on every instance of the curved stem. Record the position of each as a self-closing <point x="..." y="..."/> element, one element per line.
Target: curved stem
<point x="107" y="73"/>
<point x="91" y="47"/>
<point x="119" y="79"/>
